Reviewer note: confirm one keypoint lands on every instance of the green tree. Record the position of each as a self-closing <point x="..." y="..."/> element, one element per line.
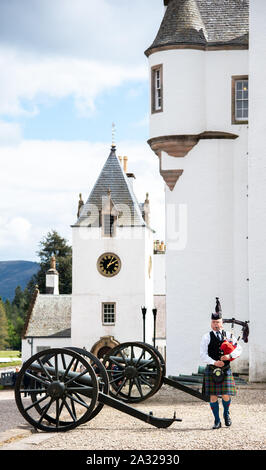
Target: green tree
<point x="8" y="308"/>
<point x="3" y="327"/>
<point x="16" y="311"/>
<point x="14" y="339"/>
<point x="18" y="299"/>
<point x="54" y="245"/>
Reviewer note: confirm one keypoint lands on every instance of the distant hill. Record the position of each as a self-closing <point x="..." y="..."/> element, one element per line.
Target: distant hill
<point x="13" y="274"/>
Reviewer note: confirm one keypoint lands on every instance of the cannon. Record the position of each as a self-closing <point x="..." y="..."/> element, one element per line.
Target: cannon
<point x="137" y="370"/>
<point x="59" y="389"/>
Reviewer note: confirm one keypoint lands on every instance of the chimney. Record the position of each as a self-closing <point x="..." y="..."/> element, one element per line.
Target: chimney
<point x="130" y="176"/>
<point x="125" y="159"/>
<point x="52" y="279"/>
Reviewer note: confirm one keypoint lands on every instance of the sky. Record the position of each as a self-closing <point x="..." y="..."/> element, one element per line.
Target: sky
<point x="69" y="69"/>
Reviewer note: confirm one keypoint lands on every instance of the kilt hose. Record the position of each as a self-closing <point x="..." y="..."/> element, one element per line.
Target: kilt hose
<point x="227" y="387"/>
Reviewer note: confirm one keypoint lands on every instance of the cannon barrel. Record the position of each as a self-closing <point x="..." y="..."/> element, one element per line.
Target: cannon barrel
<point x="83" y="378"/>
<point x="131" y="361"/>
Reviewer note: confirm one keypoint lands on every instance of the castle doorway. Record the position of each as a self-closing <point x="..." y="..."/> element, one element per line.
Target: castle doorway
<point x="104" y="345"/>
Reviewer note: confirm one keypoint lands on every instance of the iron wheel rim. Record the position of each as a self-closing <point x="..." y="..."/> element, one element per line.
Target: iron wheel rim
<point x="141" y="373"/>
<point x="63" y="393"/>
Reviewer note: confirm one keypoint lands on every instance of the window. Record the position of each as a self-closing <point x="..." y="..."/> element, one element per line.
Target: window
<point x="42" y="348"/>
<point x="240" y="100"/>
<point x="108" y="225"/>
<point x="108" y="216"/>
<point x="157" y="88"/>
<point x="108" y="313"/>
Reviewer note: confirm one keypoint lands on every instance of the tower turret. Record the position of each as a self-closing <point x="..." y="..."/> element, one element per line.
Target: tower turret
<point x="198" y="83"/>
<point x="182" y="74"/>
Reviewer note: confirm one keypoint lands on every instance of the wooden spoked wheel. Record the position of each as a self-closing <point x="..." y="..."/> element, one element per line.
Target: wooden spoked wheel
<point x="56" y="390"/>
<point x="101" y="374"/>
<point x="161" y="358"/>
<point x="134" y="371"/>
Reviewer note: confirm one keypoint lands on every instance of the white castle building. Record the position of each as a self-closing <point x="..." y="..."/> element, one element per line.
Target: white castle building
<point x="117" y="269"/>
<point x="207" y="127"/>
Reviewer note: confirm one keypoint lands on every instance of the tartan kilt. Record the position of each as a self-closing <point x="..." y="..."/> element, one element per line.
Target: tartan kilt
<point x="227" y="387"/>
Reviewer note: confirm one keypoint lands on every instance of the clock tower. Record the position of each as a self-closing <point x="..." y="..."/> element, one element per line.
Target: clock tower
<point x="112" y="263"/>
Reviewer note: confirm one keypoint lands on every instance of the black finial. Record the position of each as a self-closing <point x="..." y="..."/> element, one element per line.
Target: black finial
<point x="218" y="307"/>
<point x="218" y="310"/>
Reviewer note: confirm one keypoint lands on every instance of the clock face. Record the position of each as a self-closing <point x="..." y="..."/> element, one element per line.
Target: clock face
<point x="109" y="264"/>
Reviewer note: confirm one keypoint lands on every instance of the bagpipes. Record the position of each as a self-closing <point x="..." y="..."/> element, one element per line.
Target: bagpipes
<point x="228" y="345"/>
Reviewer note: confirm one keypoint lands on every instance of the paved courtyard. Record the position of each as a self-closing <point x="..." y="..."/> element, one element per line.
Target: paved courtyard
<point x="113" y="430"/>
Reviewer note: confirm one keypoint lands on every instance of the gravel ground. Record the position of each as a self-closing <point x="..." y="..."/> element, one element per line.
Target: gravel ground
<point x="113" y="430"/>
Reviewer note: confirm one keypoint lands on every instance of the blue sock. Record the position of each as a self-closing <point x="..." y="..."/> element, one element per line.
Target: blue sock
<point x="226" y="405"/>
<point x="215" y="409"/>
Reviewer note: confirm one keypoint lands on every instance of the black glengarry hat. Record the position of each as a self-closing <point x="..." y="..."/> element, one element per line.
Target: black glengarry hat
<point x="218" y="310"/>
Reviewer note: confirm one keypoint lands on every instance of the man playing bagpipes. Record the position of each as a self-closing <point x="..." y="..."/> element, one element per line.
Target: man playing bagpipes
<point x="217" y="349"/>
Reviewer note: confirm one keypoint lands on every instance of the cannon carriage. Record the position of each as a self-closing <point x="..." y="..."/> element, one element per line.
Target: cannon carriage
<point x="59" y="389"/>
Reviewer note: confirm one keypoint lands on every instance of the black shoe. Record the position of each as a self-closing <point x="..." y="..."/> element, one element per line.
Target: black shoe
<point x="217" y="425"/>
<point x="227" y="420"/>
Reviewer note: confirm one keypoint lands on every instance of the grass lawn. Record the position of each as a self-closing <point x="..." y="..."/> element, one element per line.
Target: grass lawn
<point x="8" y="353"/>
<point x="14" y="354"/>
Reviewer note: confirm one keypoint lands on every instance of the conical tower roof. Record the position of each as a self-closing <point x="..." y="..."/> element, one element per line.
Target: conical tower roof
<point x="182" y="23"/>
<point x="113" y="183"/>
<point x="203" y="23"/>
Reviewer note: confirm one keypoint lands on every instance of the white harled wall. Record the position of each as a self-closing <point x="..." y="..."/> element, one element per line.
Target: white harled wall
<point x="257" y="185"/>
<point x="213" y="262"/>
<point x="183" y="93"/>
<point x="208" y="203"/>
<point x="131" y="288"/>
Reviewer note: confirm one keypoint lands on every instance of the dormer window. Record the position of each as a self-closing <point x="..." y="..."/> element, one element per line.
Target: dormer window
<point x="108" y="216"/>
<point x="157" y="88"/>
<point x="240" y="99"/>
<point x="108" y="225"/>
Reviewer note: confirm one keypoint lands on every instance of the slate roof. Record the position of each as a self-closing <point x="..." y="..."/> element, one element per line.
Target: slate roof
<point x="49" y="315"/>
<point x="122" y="196"/>
<point x="204" y="23"/>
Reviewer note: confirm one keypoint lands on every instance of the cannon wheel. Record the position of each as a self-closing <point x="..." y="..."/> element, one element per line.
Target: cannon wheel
<point x="161" y="358"/>
<point x="102" y="377"/>
<point x="101" y="374"/>
<point x="51" y="384"/>
<point x="134" y="371"/>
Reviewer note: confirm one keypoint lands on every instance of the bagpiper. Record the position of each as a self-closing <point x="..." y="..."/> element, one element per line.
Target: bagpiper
<point x="217" y="349"/>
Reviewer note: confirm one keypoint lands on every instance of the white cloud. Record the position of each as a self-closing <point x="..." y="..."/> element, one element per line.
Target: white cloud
<point x="116" y="30"/>
<point x="41" y="181"/>
<point x="58" y="48"/>
<point x="14" y="231"/>
<point x="26" y="78"/>
<point x="10" y="133"/>
<point x="50" y="50"/>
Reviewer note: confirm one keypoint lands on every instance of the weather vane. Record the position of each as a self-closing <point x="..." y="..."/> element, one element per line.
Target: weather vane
<point x="113" y="134"/>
